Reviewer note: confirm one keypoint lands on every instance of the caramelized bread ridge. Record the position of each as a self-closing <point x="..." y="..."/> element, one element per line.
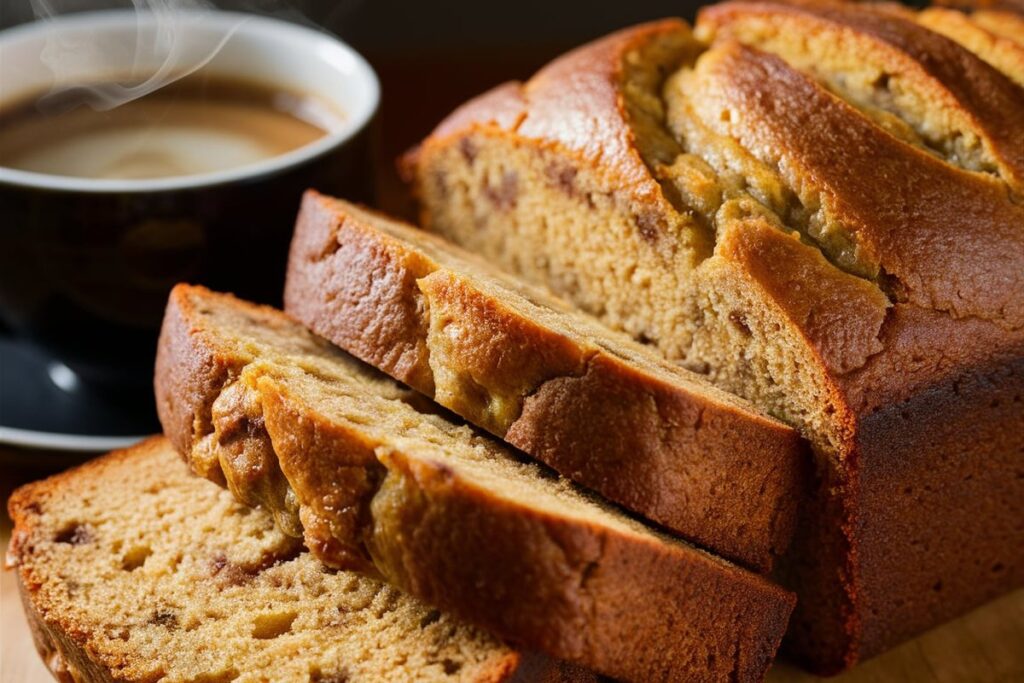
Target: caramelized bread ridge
<point x="789" y="121"/>
<point x="985" y="6"/>
<point x="1003" y="23"/>
<point x="600" y="409"/>
<point x="191" y="371"/>
<point x="130" y="569"/>
<point x="219" y="425"/>
<point x="207" y="373"/>
<point x="1003" y="51"/>
<point x="958" y="105"/>
<point x="455" y="519"/>
<point x="865" y="252"/>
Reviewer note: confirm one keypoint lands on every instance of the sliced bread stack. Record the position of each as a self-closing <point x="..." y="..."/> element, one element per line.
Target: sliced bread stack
<point x="596" y="406"/>
<point x="432" y="551"/>
<point x="383" y="481"/>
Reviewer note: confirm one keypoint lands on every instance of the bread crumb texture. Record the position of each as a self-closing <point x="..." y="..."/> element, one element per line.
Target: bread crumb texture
<point x="152" y="574"/>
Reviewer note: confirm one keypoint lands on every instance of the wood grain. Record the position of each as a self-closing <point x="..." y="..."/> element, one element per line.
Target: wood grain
<point x="19" y="662"/>
<point x="985" y="646"/>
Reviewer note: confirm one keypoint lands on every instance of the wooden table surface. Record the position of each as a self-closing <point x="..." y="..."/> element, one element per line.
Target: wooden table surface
<point x="985" y="646"/>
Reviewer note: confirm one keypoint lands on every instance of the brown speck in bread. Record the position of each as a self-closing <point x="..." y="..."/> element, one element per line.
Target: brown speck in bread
<point x="503" y="195"/>
<point x="564" y="178"/>
<point x="468" y="149"/>
<point x="164" y="617"/>
<point x="338" y="676"/>
<point x="739" y="320"/>
<point x="650" y="225"/>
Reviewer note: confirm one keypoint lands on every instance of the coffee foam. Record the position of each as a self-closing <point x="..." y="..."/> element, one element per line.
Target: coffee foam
<point x="163" y="135"/>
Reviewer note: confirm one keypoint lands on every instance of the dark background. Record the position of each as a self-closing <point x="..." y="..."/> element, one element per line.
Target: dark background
<point x="417" y="24"/>
<point x="430" y="56"/>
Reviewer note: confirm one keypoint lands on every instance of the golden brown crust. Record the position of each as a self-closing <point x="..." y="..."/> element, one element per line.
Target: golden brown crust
<point x="66" y="658"/>
<point x="977" y="287"/>
<point x="174" y="367"/>
<point x="906" y="226"/>
<point x="575" y="587"/>
<point x="583" y="88"/>
<point x="912" y="245"/>
<point x="979" y="500"/>
<point x="211" y="414"/>
<point x="952" y="76"/>
<point x="383" y="325"/>
<point x="712" y="471"/>
<point x="841" y="317"/>
<point x="194" y="374"/>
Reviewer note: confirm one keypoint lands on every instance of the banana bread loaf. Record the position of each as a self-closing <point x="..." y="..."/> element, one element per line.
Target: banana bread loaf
<point x="611" y="414"/>
<point x="382" y="482"/>
<point x="819" y="206"/>
<point x="131" y="569"/>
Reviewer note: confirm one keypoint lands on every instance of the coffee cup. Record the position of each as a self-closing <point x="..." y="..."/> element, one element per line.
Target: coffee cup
<point x="87" y="260"/>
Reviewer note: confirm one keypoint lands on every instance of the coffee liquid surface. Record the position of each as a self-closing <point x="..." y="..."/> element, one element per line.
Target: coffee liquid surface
<point x="199" y="124"/>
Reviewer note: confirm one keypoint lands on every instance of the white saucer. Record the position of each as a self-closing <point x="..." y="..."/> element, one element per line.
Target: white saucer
<point x="44" y="406"/>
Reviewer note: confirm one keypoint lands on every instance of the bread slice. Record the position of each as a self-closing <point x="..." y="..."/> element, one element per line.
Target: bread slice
<point x="601" y="409"/>
<point x="132" y="569"/>
<point x="455" y="518"/>
<point x="816" y="203"/>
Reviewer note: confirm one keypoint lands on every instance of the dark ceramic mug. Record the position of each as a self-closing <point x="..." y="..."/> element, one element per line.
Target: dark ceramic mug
<point x="86" y="264"/>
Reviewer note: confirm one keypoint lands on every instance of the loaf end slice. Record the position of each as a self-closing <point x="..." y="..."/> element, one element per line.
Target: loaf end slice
<point x="459" y="520"/>
<point x="132" y="569"/>
<point x="593" y="404"/>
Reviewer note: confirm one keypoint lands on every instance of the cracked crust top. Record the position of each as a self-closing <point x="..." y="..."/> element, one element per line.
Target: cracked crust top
<point x="899" y="189"/>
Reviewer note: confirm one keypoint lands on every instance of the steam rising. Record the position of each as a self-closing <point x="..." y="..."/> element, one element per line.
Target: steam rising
<point x="173" y="50"/>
